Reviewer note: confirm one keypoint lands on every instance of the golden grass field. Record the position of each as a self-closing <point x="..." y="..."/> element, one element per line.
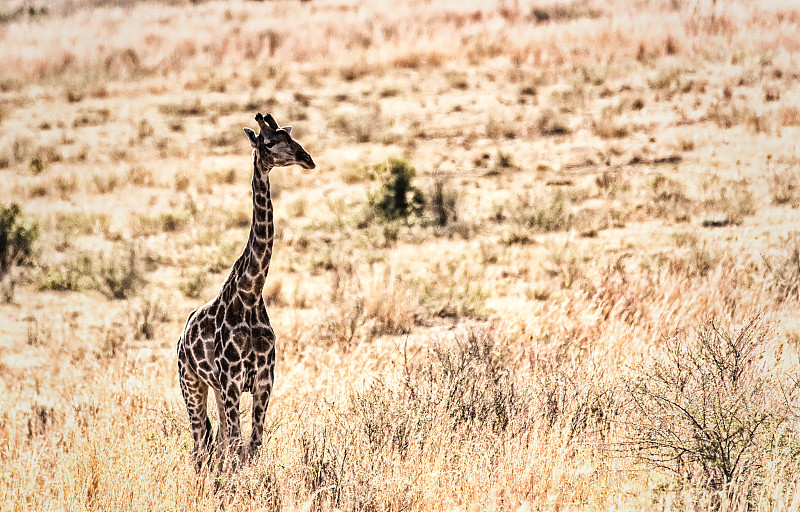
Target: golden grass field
<point x="597" y="307"/>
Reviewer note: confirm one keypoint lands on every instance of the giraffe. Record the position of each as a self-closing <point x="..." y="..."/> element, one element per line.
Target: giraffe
<point x="228" y="344"/>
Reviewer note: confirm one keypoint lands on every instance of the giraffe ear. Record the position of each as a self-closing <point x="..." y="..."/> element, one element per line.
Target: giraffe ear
<point x="287" y="129"/>
<point x="252" y="136"/>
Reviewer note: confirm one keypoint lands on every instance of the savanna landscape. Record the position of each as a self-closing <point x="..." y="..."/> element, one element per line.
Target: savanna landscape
<point x="548" y="259"/>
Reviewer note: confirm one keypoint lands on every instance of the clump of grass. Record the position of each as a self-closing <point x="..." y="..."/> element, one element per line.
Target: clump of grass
<point x="145" y="225"/>
<point x="397" y="197"/>
<point x="612" y="184"/>
<point x="560" y="12"/>
<point x="186" y="109"/>
<point x="37" y="165"/>
<point x="727" y="114"/>
<point x="669" y="200"/>
<point x="565" y="264"/>
<point x="608" y="127"/>
<point x="194" y="285"/>
<point x="140" y="176"/>
<point x="667" y="80"/>
<point x="73" y="274"/>
<point x="105" y="183"/>
<point x="529" y="215"/>
<point x="453" y="290"/>
<point x="144" y="129"/>
<point x="73" y="223"/>
<point x="66" y="185"/>
<point x="699" y="258"/>
<point x="781" y="268"/>
<point x="550" y="122"/>
<point x="364" y="126"/>
<point x="733" y="199"/>
<point x="784" y="187"/>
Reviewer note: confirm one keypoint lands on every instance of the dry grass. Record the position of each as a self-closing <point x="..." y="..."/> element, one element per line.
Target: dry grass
<point x="605" y="197"/>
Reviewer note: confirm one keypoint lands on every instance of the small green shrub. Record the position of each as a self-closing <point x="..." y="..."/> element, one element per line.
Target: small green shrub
<point x="16" y="238"/>
<point x="397" y="197"/>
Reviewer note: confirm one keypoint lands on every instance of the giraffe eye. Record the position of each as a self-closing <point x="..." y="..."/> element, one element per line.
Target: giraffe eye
<point x="271" y="143"/>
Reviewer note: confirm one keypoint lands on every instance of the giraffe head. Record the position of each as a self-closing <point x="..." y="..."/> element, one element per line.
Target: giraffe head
<point x="275" y="146"/>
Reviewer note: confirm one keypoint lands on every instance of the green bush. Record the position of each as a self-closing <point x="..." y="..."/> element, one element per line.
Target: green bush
<point x="16" y="238"/>
<point x="397" y="198"/>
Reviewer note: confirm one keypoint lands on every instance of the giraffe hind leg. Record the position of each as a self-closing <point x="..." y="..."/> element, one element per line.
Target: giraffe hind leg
<point x="222" y="429"/>
<point x="195" y="394"/>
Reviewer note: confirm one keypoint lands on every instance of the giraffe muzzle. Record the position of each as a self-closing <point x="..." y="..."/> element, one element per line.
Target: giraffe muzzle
<point x="305" y="160"/>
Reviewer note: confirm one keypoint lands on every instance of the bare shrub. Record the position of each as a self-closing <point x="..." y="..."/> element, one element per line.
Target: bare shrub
<point x="572" y="393"/>
<point x="120" y="274"/>
<point x="147" y="316"/>
<point x="710" y="407"/>
<point x="442" y="202"/>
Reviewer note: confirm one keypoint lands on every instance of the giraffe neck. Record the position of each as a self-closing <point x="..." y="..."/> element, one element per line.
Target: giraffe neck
<point x="252" y="266"/>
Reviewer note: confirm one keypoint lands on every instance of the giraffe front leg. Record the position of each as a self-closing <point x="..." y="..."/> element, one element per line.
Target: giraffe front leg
<point x="261" y="393"/>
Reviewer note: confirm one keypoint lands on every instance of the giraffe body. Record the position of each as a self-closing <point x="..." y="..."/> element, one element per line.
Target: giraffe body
<point x="228" y="344"/>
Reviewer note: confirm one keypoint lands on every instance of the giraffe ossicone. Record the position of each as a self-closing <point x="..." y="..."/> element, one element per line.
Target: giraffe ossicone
<point x="228" y="344"/>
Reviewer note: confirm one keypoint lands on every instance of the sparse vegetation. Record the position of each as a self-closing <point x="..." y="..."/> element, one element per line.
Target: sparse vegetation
<point x="513" y="314"/>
